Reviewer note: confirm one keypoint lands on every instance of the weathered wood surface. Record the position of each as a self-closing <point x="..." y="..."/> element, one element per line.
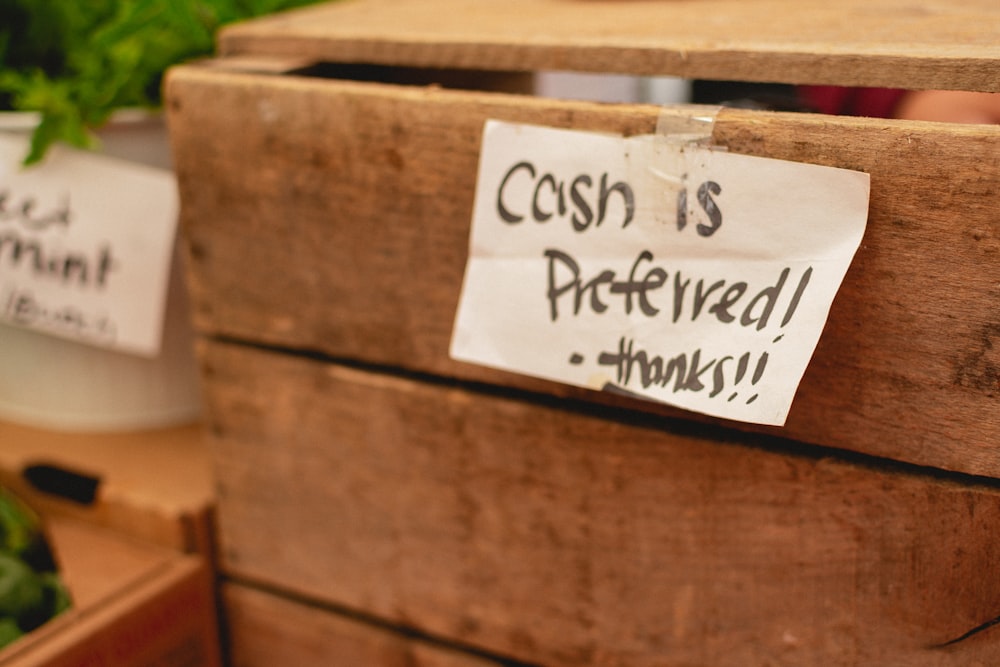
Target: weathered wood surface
<point x="561" y="537"/>
<point x="155" y="485"/>
<point x="334" y="217"/>
<point x="266" y="630"/>
<point x="893" y="43"/>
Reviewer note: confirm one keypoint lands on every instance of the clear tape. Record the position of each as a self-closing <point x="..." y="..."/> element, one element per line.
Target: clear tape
<point x="687" y="124"/>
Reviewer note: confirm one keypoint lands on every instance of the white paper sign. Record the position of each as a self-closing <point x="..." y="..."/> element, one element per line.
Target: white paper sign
<point x="86" y="243"/>
<point x="680" y="274"/>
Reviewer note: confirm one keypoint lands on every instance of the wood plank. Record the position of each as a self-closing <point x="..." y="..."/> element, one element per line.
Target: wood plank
<point x="891" y="43"/>
<point x="563" y="535"/>
<point x="134" y="605"/>
<point x="155" y="485"/>
<point x="321" y="216"/>
<point x="265" y="629"/>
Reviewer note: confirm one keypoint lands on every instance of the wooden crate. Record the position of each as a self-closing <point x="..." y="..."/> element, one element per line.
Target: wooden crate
<point x="270" y="629"/>
<point x="152" y="485"/>
<point x="362" y="472"/>
<point x="134" y="605"/>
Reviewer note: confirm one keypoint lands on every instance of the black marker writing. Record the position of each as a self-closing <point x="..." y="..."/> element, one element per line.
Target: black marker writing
<point x="23" y="308"/>
<point x="708" y="205"/>
<point x="24" y="211"/>
<point x="70" y="268"/>
<point x="587" y="204"/>
<point x="648" y="288"/>
<point x="682" y="372"/>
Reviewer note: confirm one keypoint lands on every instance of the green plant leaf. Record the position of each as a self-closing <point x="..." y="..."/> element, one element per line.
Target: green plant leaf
<point x="77" y="62"/>
<point x="9" y="630"/>
<point x="18" y="525"/>
<point x="21" y="590"/>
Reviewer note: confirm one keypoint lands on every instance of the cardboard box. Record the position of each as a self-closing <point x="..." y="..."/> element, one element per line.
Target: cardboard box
<point x="134" y="605"/>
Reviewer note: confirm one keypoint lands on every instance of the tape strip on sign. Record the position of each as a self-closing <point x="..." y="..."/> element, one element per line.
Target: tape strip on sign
<point x="659" y="268"/>
<point x="687" y="124"/>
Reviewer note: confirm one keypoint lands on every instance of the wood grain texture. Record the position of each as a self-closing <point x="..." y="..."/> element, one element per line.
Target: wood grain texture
<point x="892" y="43"/>
<point x="560" y="537"/>
<point x="333" y="216"/>
<point x="155" y="485"/>
<point x="134" y="605"/>
<point x="265" y="630"/>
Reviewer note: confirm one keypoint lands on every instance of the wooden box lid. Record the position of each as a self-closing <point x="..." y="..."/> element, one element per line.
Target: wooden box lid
<point x="945" y="44"/>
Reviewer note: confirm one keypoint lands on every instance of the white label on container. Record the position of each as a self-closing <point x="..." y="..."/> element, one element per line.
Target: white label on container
<point x="86" y="243"/>
<point x="675" y="273"/>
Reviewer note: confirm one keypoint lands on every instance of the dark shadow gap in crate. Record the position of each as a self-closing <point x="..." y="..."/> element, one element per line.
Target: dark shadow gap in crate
<point x="456" y="79"/>
<point x="373" y="622"/>
<point x="610" y="407"/>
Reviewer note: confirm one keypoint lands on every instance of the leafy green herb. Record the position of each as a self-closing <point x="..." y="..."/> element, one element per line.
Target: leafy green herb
<point x="31" y="591"/>
<point x="18" y="525"/>
<point x="77" y="62"/>
<point x="9" y="630"/>
<point x="20" y="588"/>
